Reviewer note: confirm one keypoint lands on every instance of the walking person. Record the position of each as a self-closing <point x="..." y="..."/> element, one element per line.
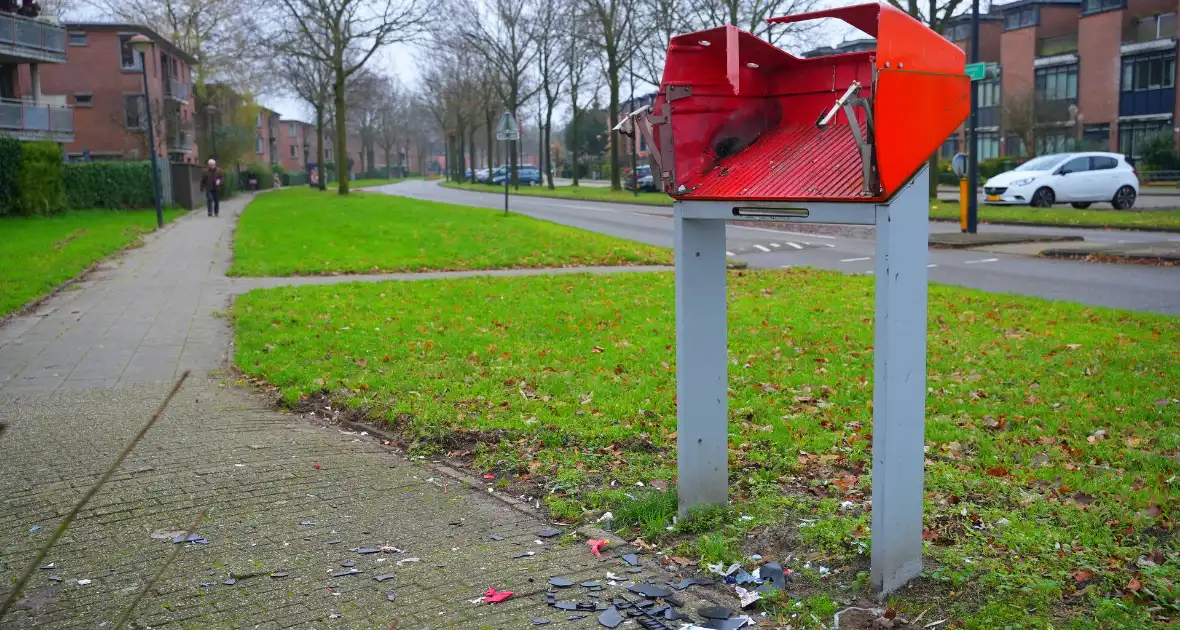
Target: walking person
<point x="211" y="185"/>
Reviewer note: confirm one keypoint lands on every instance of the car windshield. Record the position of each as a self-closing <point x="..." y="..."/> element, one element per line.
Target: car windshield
<point x="644" y="171"/>
<point x="1043" y="163"/>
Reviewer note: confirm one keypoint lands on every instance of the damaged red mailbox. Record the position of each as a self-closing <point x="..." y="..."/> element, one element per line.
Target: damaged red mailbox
<point x="738" y="118"/>
<point x="743" y="130"/>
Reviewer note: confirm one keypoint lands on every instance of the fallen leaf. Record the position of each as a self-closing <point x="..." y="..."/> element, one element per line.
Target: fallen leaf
<point x="997" y="471"/>
<point x="1084" y="575"/>
<point x="658" y="484"/>
<point x="1134" y="585"/>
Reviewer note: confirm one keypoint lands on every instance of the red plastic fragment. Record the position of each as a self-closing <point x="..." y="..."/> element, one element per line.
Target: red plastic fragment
<point x="596" y="545"/>
<point x="317" y="466"/>
<point x="489" y="476"/>
<point x="492" y="596"/>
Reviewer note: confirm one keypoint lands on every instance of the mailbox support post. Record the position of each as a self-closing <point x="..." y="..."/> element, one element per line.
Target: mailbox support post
<point x="702" y="391"/>
<point x="899" y="386"/>
<point x="899" y="361"/>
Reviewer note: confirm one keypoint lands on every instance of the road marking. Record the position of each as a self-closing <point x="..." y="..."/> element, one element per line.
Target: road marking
<point x="775" y="245"/>
<point x="1174" y="240"/>
<point x="855" y="259"/>
<point x="779" y="232"/>
<point x="985" y="260"/>
<point x="795" y="245"/>
<point x="730" y="254"/>
<point x="765" y="249"/>
<point x="931" y="265"/>
<point x="869" y="273"/>
<point x="784" y="266"/>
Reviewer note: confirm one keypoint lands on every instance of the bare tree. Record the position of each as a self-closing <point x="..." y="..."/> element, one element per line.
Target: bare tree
<point x="751" y="16"/>
<point x="577" y="64"/>
<point x="663" y="20"/>
<point x="551" y="60"/>
<point x="392" y="122"/>
<point x="345" y="34"/>
<point x="500" y="32"/>
<point x="365" y="92"/>
<point x="311" y="81"/>
<point x="614" y="35"/>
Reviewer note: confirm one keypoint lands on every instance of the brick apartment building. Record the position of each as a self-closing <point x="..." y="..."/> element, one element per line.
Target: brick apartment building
<point x="1095" y="74"/>
<point x="102" y="80"/>
<point x="297" y="145"/>
<point x="27" y="47"/>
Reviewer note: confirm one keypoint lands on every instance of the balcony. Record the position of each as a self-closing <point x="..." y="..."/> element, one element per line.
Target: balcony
<point x="176" y="90"/>
<point x="1053" y="46"/>
<point x="30" y="41"/>
<point x="180" y="142"/>
<point x="26" y="120"/>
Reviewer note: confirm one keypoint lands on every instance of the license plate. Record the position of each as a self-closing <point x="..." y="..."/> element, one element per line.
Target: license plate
<point x="993" y="197"/>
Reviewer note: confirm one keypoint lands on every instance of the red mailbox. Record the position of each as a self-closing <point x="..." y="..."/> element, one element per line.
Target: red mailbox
<point x="740" y="119"/>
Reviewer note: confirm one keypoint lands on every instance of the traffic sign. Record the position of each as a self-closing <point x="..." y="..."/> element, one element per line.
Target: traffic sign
<point x="508" y="129"/>
<point x="977" y="71"/>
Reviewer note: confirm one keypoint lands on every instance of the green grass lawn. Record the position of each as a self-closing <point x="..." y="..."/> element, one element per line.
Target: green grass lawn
<point x="306" y="232"/>
<point x="360" y="183"/>
<point x="1065" y="216"/>
<point x="38" y="254"/>
<point x="1052" y="428"/>
<point x="583" y="193"/>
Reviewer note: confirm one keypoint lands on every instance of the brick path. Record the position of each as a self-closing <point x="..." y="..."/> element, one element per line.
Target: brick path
<point x="82" y="373"/>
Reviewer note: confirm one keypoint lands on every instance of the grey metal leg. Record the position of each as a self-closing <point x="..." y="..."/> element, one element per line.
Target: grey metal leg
<point x="701" y="360"/>
<point x="899" y="387"/>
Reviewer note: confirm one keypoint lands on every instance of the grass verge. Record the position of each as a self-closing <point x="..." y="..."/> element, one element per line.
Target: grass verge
<point x="1164" y="220"/>
<point x="580" y="193"/>
<point x="1051" y="427"/>
<point x="361" y="183"/>
<point x="306" y="232"/>
<point x="38" y="254"/>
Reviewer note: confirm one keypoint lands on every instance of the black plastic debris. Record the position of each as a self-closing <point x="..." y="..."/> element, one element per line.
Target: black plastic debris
<point x="229" y="581"/>
<point x="335" y="614"/>
<point x="592" y="584"/>
<point x="51" y="565"/>
<point x="565" y="604"/>
<point x="727" y="624"/>
<point x="523" y="555"/>
<point x="495" y="538"/>
<point x="281" y="574"/>
<point x="671" y="614"/>
<point x="34" y="529"/>
<point x="391" y="596"/>
<point x="773" y="572"/>
<point x="193" y="538"/>
<point x="382" y="578"/>
<point x="620" y="603"/>
<point x="576" y="617"/>
<point x="634" y="569"/>
<point x="715" y="612"/>
<point x="307" y="523"/>
<point x="350" y="563"/>
<point x="611" y="618"/>
<point x="631" y="559"/>
<point x="208" y="584"/>
<point x="687" y="582"/>
<point x="587" y="606"/>
<point x="352" y="571"/>
<point x="551" y="598"/>
<point x="456" y="523"/>
<point x="549" y="533"/>
<point x="560" y="582"/>
<point x="541" y="621"/>
<point x="334" y="542"/>
<point x="650" y="590"/>
<point x="54" y="578"/>
<point x="367" y="550"/>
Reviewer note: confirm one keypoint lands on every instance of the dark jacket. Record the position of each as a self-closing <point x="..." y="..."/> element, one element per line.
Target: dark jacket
<point x="212" y="180"/>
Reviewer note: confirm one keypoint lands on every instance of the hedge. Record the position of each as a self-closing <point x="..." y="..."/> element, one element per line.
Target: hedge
<point x="112" y="185"/>
<point x="37" y="187"/>
<point x="9" y="160"/>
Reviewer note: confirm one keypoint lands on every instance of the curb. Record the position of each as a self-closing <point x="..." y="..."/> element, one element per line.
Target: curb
<point x="1117" y="228"/>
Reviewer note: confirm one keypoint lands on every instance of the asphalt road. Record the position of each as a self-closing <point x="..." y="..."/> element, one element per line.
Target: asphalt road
<point x="1149" y="199"/>
<point x="851" y="250"/>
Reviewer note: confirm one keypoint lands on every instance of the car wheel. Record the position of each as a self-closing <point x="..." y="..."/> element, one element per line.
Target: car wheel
<point x="1043" y="198"/>
<point x="1124" y="198"/>
<point x="1081" y="205"/>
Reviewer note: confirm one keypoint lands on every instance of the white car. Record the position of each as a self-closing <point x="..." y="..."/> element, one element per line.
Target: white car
<point x="1079" y="179"/>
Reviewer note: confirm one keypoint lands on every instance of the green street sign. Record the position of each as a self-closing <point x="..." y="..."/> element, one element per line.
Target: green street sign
<point x="977" y="71"/>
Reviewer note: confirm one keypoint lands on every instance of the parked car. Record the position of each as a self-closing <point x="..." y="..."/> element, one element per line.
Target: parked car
<point x="647" y="183"/>
<point x="482" y="175"/>
<point x="527" y="175"/>
<point x="1079" y="179"/>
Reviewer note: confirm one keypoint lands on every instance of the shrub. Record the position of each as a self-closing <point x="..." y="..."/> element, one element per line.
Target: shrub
<point x="294" y="178"/>
<point x="262" y="171"/>
<point x="9" y="160"/>
<point x="108" y="184"/>
<point x="38" y="185"/>
<point x="1158" y="153"/>
<point x="994" y="166"/>
<point x="231" y="185"/>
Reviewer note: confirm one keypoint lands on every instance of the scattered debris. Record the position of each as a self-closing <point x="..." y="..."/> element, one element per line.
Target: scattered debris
<point x="382" y="578"/>
<point x="592" y="584"/>
<point x="715" y="612"/>
<point x="549" y="533"/>
<point x="630" y="559"/>
<point x="51" y="565"/>
<point x="34" y="529"/>
<point x="335" y="614"/>
<point x="208" y="584"/>
<point x="606" y="517"/>
<point x="391" y="596"/>
<point x="405" y="560"/>
<point x="334" y="542"/>
<point x="492" y="596"/>
<point x="596" y="545"/>
<point x="83" y="582"/>
<point x="773" y="572"/>
<point x="352" y="571"/>
<point x="540" y="621"/>
<point x="576" y="617"/>
<point x="229" y="581"/>
<point x="307" y="523"/>
<point x="350" y="563"/>
<point x="720" y="569"/>
<point x="54" y="578"/>
<point x="747" y="597"/>
<point x="611" y="618"/>
<point x="191" y="538"/>
<point x="390" y="549"/>
<point x="281" y="574"/>
<point x="560" y="582"/>
<point x="367" y="550"/>
<point x="650" y="590"/>
<point x="687" y="582"/>
<point x="489" y="476"/>
<point x="495" y="538"/>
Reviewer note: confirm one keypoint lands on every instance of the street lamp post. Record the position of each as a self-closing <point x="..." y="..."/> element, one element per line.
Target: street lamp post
<point x="142" y="43"/>
<point x="209" y="112"/>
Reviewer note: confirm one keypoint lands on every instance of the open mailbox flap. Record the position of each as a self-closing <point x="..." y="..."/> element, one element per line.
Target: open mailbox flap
<point x="738" y="118"/>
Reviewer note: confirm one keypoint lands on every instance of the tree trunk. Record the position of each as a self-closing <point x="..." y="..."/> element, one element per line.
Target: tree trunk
<point x="342" y="170"/>
<point x="932" y="164"/>
<point x="319" y="147"/>
<point x="548" y="145"/>
<point x="574" y="142"/>
<point x="613" y="78"/>
<point x="489" y="118"/>
<point x="471" y="152"/>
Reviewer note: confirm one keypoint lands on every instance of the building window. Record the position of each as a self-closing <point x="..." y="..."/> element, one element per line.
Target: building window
<point x="77" y="38"/>
<point x="1149" y="72"/>
<point x="293" y="152"/>
<point x="259" y="124"/>
<point x="84" y="99"/>
<point x="1132" y="135"/>
<point x="1150" y="28"/>
<point x="293" y="131"/>
<point x="1098" y="6"/>
<point x="1028" y="16"/>
<point x="327" y="154"/>
<point x="129" y="58"/>
<point x="950" y="147"/>
<point x="133" y="113"/>
<point x="258" y="145"/>
<point x="987" y="145"/>
<point x="1049" y="142"/>
<point x="1058" y="83"/>
<point x="1014" y="146"/>
<point x="958" y="32"/>
<point x="1096" y="137"/>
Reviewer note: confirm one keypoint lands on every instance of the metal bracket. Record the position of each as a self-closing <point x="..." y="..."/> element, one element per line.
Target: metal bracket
<point x="864" y="143"/>
<point x="642" y="120"/>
